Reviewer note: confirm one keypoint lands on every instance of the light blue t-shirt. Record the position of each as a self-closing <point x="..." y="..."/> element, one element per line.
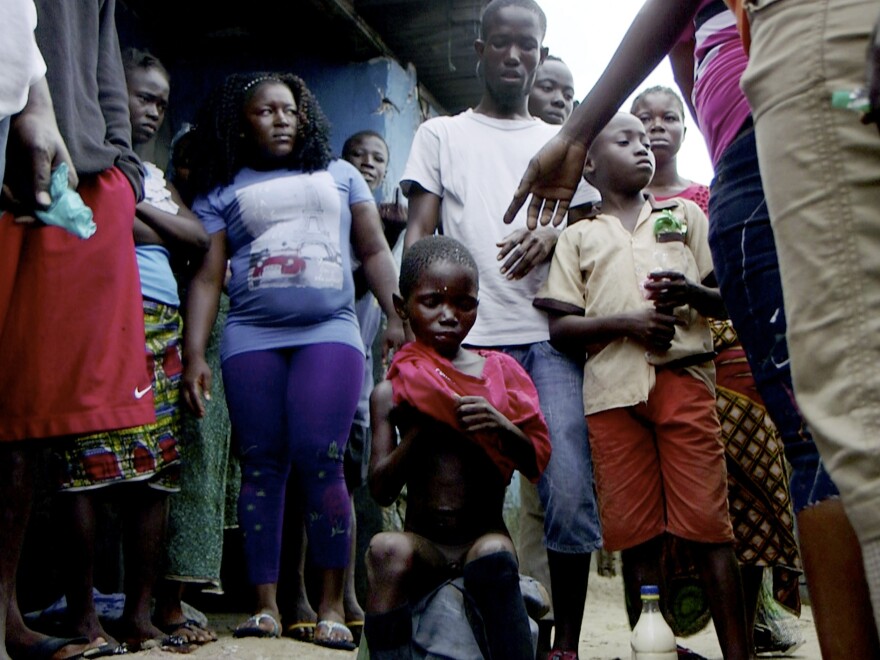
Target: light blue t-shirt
<point x="154" y="261"/>
<point x="157" y="279"/>
<point x="288" y="234"/>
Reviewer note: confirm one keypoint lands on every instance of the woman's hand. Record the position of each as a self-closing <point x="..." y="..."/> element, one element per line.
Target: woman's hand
<point x="551" y="179"/>
<point x="196" y="384"/>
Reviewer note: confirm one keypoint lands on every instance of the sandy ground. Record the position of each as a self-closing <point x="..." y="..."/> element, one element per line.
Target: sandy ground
<point x="605" y="635"/>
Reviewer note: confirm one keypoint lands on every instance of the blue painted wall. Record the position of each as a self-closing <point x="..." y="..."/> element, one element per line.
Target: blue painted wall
<point x="378" y="94"/>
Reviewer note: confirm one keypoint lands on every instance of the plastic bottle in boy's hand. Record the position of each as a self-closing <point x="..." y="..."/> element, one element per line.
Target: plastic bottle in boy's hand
<point x="652" y="638"/>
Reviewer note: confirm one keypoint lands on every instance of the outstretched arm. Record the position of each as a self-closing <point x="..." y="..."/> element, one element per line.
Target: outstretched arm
<point x="650" y="328"/>
<point x="553" y="173"/>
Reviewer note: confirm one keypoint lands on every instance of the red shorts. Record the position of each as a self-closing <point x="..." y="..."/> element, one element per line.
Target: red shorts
<point x="72" y="322"/>
<point x="660" y="466"/>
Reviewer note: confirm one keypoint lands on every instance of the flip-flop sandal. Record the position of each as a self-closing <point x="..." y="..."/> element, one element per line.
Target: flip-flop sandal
<point x="357" y="629"/>
<point x="331" y="627"/>
<point x="251" y="627"/>
<point x="301" y="631"/>
<point x="49" y="646"/>
<point x="104" y="651"/>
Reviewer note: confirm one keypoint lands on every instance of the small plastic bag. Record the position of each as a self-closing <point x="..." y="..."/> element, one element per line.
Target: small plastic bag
<point x="67" y="209"/>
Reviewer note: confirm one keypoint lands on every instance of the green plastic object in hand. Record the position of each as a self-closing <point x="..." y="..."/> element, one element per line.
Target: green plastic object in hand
<point x="67" y="209"/>
<point x="668" y="223"/>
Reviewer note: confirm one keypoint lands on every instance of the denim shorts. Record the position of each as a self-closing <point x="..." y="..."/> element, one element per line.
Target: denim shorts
<point x="809" y="481"/>
<point x="571" y="522"/>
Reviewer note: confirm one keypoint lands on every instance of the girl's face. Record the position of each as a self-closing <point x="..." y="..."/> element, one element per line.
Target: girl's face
<point x="271" y="123"/>
<point x="148" y="91"/>
<point x="442" y="307"/>
<point x="370" y="155"/>
<point x="661" y="115"/>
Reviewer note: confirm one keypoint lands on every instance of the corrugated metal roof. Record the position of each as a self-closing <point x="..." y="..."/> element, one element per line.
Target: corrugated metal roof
<point x="437" y="37"/>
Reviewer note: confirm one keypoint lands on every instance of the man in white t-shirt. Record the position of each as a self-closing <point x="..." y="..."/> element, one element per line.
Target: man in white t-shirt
<point x="461" y="173"/>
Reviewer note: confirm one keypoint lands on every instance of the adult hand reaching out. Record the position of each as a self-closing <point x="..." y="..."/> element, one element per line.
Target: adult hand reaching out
<point x="551" y="179"/>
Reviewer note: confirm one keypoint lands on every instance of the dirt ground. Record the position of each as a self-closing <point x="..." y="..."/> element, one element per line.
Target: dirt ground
<point x="605" y="635"/>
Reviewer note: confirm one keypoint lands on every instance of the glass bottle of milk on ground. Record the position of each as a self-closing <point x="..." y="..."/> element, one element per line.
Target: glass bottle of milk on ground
<point x="652" y="638"/>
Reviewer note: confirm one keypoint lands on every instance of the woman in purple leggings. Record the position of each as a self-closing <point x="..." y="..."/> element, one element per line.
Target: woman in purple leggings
<point x="286" y="216"/>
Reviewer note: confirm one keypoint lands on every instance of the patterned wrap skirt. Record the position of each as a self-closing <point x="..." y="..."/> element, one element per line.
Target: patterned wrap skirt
<point x="141" y="453"/>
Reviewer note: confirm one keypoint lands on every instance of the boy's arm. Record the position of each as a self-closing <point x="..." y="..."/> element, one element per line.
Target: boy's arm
<point x="649" y="327"/>
<point x="423" y="214"/>
<point x="475" y="414"/>
<point x="388" y="460"/>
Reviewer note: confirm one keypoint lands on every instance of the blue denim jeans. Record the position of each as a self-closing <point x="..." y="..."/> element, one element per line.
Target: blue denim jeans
<point x="571" y="522"/>
<point x="744" y="255"/>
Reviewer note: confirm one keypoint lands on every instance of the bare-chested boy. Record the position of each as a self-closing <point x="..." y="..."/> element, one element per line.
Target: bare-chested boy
<point x="466" y="419"/>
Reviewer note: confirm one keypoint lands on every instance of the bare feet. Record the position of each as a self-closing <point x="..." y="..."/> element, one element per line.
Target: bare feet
<point x="141" y="634"/>
<point x="52" y="647"/>
<point x="302" y="620"/>
<point x="353" y="610"/>
<point x="169" y="617"/>
<point x="190" y="631"/>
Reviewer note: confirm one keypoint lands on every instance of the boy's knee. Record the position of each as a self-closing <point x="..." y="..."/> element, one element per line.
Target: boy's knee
<point x="389" y="558"/>
<point x="491" y="544"/>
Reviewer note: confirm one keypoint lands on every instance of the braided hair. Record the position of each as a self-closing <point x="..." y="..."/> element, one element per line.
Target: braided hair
<point x="220" y="146"/>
